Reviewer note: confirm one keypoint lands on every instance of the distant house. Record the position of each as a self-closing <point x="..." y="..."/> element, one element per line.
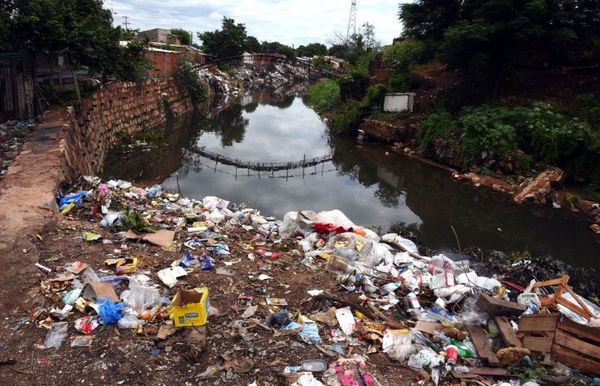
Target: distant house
<point x="159" y="35"/>
<point x="189" y="53"/>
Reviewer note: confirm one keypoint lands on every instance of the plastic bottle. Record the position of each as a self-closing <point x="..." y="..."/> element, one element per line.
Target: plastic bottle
<point x="413" y="301"/>
<point x="463" y="349"/>
<point x="389" y="288"/>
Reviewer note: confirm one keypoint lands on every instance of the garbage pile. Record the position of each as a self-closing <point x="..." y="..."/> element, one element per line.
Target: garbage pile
<point x="279" y="78"/>
<point x="462" y="325"/>
<point x="313" y="299"/>
<point x="12" y="137"/>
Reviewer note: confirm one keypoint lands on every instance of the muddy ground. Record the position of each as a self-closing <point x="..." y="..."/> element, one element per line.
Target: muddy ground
<point x="243" y="350"/>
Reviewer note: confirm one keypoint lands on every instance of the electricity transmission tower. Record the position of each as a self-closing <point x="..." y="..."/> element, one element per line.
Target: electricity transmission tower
<point x="351" y="21"/>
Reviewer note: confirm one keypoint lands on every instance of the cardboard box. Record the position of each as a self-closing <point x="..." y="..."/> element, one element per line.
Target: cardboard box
<point x="190" y="308"/>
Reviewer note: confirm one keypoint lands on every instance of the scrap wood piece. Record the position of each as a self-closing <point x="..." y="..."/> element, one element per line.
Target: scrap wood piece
<point x="575" y="359"/>
<point x="429" y="327"/>
<point x="482" y="344"/>
<point x="585" y="332"/>
<point x="538" y="323"/>
<point x="506" y="331"/>
<point x="561" y="286"/>
<point x="476" y="372"/>
<point x="498" y="307"/>
<point x="564" y="339"/>
<point x="366" y="311"/>
<point x="161" y="238"/>
<point x="401" y="248"/>
<point x="541" y="344"/>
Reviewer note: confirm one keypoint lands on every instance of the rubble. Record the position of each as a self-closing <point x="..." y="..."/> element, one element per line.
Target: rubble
<point x="538" y="190"/>
<point x="322" y="301"/>
<point x="279" y="78"/>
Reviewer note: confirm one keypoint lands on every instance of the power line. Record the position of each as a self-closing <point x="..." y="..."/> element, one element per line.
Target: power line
<point x="126" y="23"/>
<point x="351" y="21"/>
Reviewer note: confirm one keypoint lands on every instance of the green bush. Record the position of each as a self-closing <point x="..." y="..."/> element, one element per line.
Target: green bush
<point x="404" y="82"/>
<point x="347" y="121"/>
<point x="373" y="100"/>
<point x="486" y="131"/>
<point x="324" y="95"/>
<point x="587" y="107"/>
<point x="189" y="82"/>
<point x="405" y="54"/>
<point x="437" y="125"/>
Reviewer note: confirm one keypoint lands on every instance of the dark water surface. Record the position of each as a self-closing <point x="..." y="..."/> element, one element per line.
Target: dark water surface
<point x="367" y="184"/>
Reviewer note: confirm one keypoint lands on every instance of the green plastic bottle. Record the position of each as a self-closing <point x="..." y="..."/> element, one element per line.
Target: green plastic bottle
<point x="464" y="350"/>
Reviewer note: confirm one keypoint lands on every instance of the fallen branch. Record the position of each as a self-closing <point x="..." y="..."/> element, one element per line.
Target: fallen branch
<point x="402" y="249"/>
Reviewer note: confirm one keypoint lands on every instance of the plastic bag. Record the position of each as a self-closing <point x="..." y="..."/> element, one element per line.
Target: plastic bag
<point x="297" y="223"/>
<point x="140" y="297"/>
<point x="74" y="198"/>
<point x="310" y="334"/>
<point x="406" y="243"/>
<point x="110" y="312"/>
<point x="307" y="379"/>
<point x="424" y="358"/>
<point x="397" y="344"/>
<point x="129" y="321"/>
<point x="472" y="314"/>
<point x="214" y="203"/>
<point x="111" y="218"/>
<point x="56" y="335"/>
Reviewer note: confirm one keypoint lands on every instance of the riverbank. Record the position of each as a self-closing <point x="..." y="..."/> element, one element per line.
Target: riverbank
<point x="534" y="189"/>
<point x="259" y="271"/>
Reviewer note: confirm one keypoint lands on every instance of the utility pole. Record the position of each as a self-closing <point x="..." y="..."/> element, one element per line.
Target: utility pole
<point x="126" y="23"/>
<point x="351" y="21"/>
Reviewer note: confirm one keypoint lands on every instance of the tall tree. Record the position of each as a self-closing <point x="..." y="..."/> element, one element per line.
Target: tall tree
<point x="312" y="49"/>
<point x="227" y="42"/>
<point x="251" y="44"/>
<point x="487" y="40"/>
<point x="79" y="29"/>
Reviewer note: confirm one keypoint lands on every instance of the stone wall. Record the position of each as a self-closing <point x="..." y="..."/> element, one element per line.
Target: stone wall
<point x="115" y="110"/>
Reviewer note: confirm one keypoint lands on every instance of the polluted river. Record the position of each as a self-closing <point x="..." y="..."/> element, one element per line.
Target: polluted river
<point x="252" y="152"/>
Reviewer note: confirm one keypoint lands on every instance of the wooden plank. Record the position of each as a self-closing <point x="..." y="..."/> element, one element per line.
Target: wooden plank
<point x="459" y="375"/>
<point x="569" y="341"/>
<point x="538" y="323"/>
<point x="496" y="307"/>
<point x="539" y="343"/>
<point x="488" y="371"/>
<point x="476" y="372"/>
<point x="591" y="333"/>
<point x="482" y="344"/>
<point x="429" y="327"/>
<point x="508" y="334"/>
<point x="574" y="359"/>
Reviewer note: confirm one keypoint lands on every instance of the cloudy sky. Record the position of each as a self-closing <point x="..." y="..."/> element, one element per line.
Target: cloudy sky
<point x="287" y="21"/>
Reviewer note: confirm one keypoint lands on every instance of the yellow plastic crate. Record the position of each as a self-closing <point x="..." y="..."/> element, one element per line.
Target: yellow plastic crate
<point x="190" y="308"/>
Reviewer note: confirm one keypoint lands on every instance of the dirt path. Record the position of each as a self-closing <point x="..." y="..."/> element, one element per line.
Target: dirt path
<point x="27" y="207"/>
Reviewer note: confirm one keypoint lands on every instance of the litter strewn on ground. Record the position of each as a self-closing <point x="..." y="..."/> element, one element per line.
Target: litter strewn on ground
<point x="221" y="293"/>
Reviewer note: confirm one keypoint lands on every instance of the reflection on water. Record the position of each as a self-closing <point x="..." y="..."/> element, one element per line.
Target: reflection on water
<point x="362" y="181"/>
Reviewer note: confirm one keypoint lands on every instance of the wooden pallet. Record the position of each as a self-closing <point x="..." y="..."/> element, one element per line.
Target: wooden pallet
<point x="578" y="346"/>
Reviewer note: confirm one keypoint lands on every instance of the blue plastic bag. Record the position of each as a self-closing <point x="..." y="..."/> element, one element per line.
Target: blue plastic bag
<point x="110" y="312"/>
<point x="75" y="198"/>
<point x="207" y="263"/>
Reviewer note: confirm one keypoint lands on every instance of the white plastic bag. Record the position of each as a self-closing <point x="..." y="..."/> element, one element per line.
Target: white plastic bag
<point x="140" y="297"/>
<point x="397" y="344"/>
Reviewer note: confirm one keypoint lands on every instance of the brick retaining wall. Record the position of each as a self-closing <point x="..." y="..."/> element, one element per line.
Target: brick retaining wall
<point x="112" y="111"/>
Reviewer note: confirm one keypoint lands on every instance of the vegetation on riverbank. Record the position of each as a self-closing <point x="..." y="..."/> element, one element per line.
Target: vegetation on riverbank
<point x="486" y="84"/>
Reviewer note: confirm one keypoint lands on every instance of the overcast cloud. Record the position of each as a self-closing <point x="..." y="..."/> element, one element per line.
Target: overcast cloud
<point x="287" y="21"/>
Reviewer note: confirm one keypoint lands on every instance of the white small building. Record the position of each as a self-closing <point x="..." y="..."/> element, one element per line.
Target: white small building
<point x="398" y="102"/>
<point x="248" y="57"/>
